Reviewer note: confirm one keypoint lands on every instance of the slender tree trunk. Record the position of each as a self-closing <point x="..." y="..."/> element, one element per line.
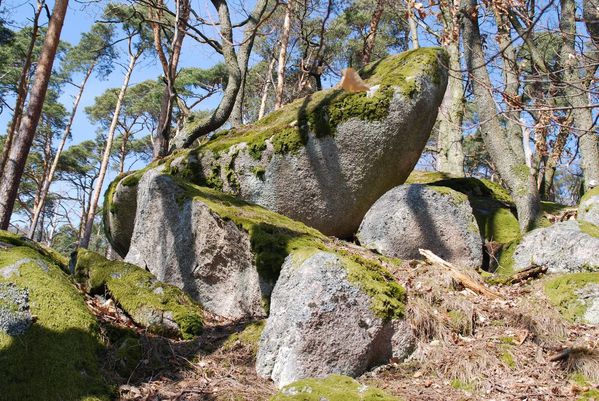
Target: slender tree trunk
<point x="450" y="157"/>
<point x="236" y="118"/>
<point x="21" y="89"/>
<point x="546" y="188"/>
<point x="371" y="37"/>
<point x="235" y="69"/>
<point x="65" y="135"/>
<point x="17" y="157"/>
<point x="283" y="43"/>
<point x="510" y="164"/>
<point x="413" y="25"/>
<point x="578" y="96"/>
<point x="265" y="89"/>
<point x="91" y="213"/>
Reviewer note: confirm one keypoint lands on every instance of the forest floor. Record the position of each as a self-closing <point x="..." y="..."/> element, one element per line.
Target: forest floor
<point x="470" y="347"/>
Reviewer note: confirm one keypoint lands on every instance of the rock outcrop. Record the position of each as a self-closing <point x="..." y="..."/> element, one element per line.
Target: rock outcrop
<point x="565" y="247"/>
<point x="409" y="217"/>
<point x="576" y="296"/>
<point x="588" y="210"/>
<point x="330" y="314"/>
<point x="333" y="387"/>
<point x="335" y="151"/>
<point x="222" y="251"/>
<point x="49" y="341"/>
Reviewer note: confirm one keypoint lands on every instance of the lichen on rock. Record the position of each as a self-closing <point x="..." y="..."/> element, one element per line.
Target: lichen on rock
<point x="576" y="296"/>
<point x="57" y="356"/>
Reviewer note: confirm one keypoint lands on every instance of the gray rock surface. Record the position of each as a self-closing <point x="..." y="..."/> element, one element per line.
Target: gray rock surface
<point x="185" y="243"/>
<point x="321" y="324"/>
<point x="589" y="295"/>
<point x="119" y="216"/>
<point x="562" y="248"/>
<point x="409" y="217"/>
<point x="588" y="210"/>
<point x="15" y="317"/>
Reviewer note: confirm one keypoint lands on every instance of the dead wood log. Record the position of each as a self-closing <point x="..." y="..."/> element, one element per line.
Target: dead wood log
<point x="458" y="275"/>
<point x="529" y="272"/>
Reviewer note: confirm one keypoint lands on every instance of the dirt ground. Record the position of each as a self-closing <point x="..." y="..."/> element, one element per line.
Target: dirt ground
<point x="469" y="347"/>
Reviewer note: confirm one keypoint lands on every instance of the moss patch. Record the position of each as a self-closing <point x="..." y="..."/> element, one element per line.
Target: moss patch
<point x="140" y="295"/>
<point x="561" y="292"/>
<point x="332" y="388"/>
<point x="249" y="337"/>
<point x="57" y="358"/>
<point x="49" y="253"/>
<point x="589" y="228"/>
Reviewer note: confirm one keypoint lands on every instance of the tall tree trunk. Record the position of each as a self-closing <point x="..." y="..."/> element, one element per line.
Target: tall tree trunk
<point x="169" y="67"/>
<point x="283" y="43"/>
<point x="91" y="213"/>
<point x="413" y="25"/>
<point x="17" y="157"/>
<point x="450" y="157"/>
<point x="267" y="83"/>
<point x="21" y="89"/>
<point x="546" y="187"/>
<point x="65" y="135"/>
<point x="236" y="118"/>
<point x="510" y="164"/>
<point x="577" y="95"/>
<point x="371" y="37"/>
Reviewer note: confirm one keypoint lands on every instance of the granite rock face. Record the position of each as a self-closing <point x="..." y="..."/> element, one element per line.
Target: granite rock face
<point x="415" y="216"/>
<point x="588" y="210"/>
<point x="322" y="323"/>
<point x="185" y="243"/>
<point x="565" y="247"/>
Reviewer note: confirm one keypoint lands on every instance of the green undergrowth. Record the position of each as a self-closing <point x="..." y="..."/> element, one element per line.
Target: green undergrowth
<point x="139" y="294"/>
<point x="321" y="112"/>
<point x="57" y="358"/>
<point x="331" y="388"/>
<point x="273" y="237"/>
<point x="248" y="337"/>
<point x="561" y="292"/>
<point x="17" y="240"/>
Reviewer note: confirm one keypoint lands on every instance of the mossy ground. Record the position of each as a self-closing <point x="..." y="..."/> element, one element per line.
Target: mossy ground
<point x="135" y="290"/>
<point x="249" y="337"/>
<point x="561" y="292"/>
<point x="331" y="388"/>
<point x="17" y="240"/>
<point x="58" y="357"/>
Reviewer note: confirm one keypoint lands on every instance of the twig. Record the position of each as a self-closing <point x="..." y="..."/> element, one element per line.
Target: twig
<point x="529" y="272"/>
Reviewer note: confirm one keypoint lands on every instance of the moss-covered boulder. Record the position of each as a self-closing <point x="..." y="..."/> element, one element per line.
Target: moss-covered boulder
<point x="333" y="150"/>
<point x="161" y="308"/>
<point x="491" y="203"/>
<point x="331" y="388"/>
<point x="331" y="313"/>
<point x="588" y="210"/>
<point x="51" y="349"/>
<point x="575" y="295"/>
<point x="414" y="216"/>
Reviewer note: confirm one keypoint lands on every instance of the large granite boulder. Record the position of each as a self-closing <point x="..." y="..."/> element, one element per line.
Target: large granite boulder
<point x="222" y="251"/>
<point x="49" y="340"/>
<point x="322" y="160"/>
<point x="565" y="247"/>
<point x="331" y="314"/>
<point x="576" y="296"/>
<point x="588" y="210"/>
<point x="409" y="217"/>
<point x="120" y="203"/>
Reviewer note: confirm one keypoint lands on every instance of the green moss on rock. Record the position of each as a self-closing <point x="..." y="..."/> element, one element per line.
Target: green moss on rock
<point x="18" y="240"/>
<point x="249" y="337"/>
<point x="331" y="388"/>
<point x="561" y="292"/>
<point x="138" y="292"/>
<point x="589" y="228"/>
<point x="57" y="358"/>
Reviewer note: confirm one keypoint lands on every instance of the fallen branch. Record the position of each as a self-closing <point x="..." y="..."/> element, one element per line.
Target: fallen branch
<point x="458" y="275"/>
<point x="529" y="272"/>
